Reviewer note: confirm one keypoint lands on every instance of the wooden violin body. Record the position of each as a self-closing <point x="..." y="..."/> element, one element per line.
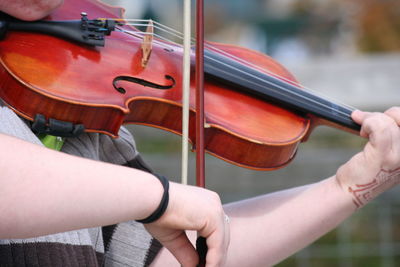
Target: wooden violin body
<point x="105" y="87"/>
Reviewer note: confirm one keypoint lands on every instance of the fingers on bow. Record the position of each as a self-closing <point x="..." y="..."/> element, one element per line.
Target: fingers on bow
<point x="182" y="249"/>
<point x="218" y="243"/>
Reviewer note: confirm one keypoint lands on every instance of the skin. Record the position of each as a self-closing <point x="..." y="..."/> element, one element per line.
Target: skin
<point x="33" y="195"/>
<point x="380" y="157"/>
<point x="29" y="9"/>
<point x="294" y="218"/>
<point x="33" y="200"/>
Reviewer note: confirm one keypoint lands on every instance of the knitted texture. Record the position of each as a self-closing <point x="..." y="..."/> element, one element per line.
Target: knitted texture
<point x="124" y="244"/>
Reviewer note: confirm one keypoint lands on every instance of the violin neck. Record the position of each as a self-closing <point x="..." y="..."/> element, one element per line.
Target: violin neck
<point x="249" y="80"/>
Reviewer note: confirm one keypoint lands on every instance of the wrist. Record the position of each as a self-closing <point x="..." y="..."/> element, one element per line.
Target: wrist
<point x="362" y="181"/>
<point x="342" y="193"/>
<point x="163" y="202"/>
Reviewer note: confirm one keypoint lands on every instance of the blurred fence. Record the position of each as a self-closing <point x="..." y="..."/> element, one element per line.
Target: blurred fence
<point x="370" y="238"/>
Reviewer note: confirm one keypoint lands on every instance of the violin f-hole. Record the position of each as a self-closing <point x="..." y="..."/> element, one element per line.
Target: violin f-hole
<point x="142" y="82"/>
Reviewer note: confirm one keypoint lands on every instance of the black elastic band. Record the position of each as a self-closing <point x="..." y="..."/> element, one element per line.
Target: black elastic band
<point x="163" y="203"/>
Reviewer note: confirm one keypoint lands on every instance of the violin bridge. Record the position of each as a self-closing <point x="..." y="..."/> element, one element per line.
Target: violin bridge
<point x="147" y="44"/>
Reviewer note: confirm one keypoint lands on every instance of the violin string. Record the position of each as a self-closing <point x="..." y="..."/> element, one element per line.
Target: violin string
<point x="176" y="34"/>
<point x="298" y="95"/>
<point x="141" y="34"/>
<point x="160" y="25"/>
<point x="180" y="35"/>
<point x="294" y="96"/>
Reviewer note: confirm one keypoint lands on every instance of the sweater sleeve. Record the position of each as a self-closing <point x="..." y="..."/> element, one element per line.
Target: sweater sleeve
<point x="127" y="243"/>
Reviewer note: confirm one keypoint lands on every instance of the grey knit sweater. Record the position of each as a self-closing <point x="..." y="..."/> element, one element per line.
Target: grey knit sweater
<point x="124" y="244"/>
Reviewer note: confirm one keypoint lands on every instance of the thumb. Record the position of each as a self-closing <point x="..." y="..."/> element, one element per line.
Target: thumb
<point x="183" y="250"/>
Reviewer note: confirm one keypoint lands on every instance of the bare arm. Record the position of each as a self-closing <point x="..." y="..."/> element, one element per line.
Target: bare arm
<point x="269" y="228"/>
<point x="43" y="191"/>
<point x="287" y="226"/>
<point x="29" y="9"/>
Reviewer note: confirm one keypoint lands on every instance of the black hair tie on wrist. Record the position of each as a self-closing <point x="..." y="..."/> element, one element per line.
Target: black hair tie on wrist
<point x="163" y="203"/>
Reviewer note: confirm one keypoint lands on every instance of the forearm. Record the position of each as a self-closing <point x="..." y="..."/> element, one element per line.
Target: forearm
<point x="43" y="191"/>
<point x="292" y="220"/>
<point x="269" y="228"/>
<point x="29" y="9"/>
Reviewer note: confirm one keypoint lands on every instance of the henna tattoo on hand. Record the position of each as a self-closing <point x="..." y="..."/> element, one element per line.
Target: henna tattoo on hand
<point x="385" y="179"/>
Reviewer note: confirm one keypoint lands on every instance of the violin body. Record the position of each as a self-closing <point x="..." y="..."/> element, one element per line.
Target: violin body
<point x="63" y="80"/>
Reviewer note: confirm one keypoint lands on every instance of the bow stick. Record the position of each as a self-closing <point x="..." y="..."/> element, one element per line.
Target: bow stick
<point x="200" y="164"/>
<point x="200" y="159"/>
<point x="199" y="142"/>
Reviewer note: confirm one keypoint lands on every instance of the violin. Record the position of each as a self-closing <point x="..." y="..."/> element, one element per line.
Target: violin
<point x="256" y="113"/>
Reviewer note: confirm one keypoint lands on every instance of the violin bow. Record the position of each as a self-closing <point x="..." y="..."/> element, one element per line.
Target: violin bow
<point x="199" y="142"/>
<point x="200" y="162"/>
<point x="186" y="88"/>
<point x="201" y="244"/>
